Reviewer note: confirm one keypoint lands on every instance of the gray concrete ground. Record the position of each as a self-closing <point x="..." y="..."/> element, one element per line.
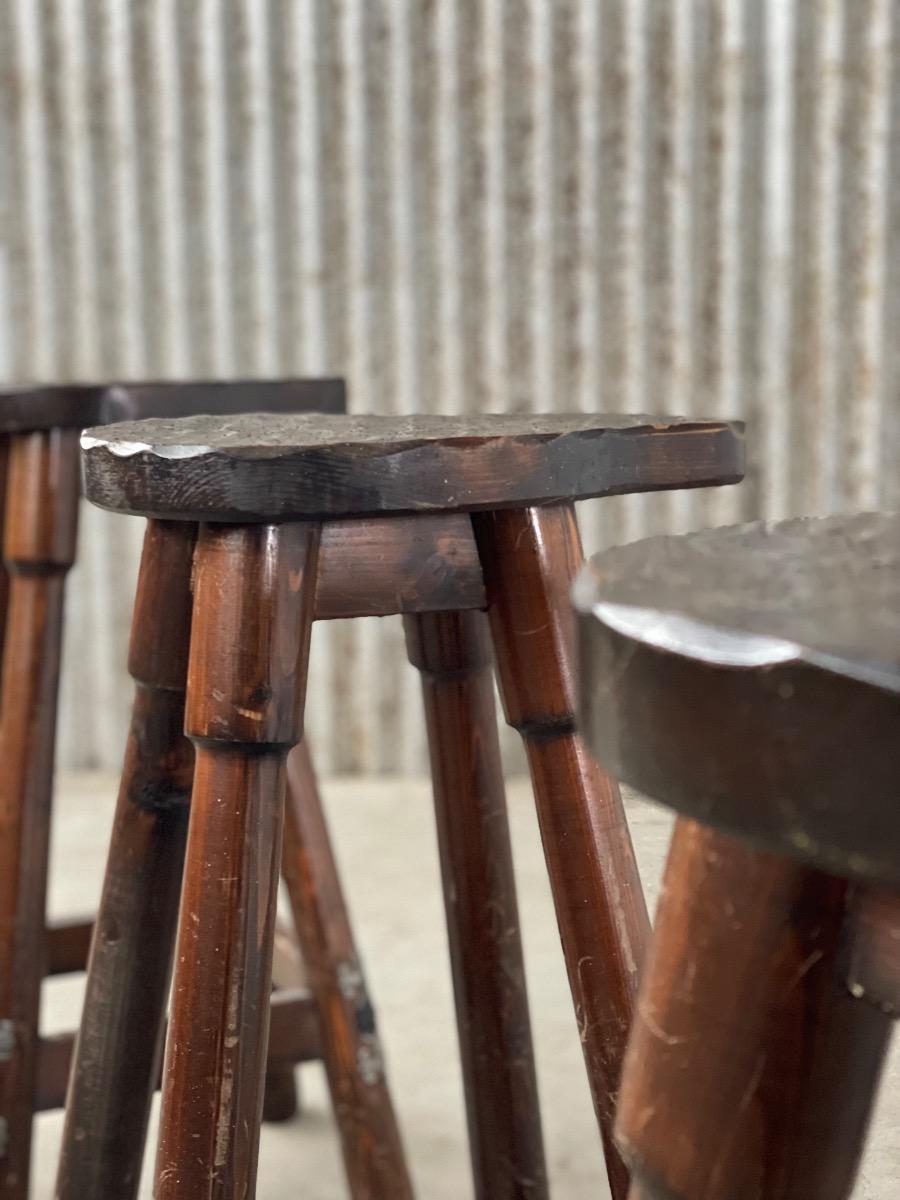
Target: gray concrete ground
<point x="384" y="834"/>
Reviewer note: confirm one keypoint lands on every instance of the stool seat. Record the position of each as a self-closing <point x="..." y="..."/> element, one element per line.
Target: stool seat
<point x="262" y="468"/>
<point x="27" y="409"/>
<point x="467" y="526"/>
<point x="750" y="678"/>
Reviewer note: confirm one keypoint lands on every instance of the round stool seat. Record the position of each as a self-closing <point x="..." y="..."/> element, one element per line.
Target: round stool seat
<point x="750" y="678"/>
<point x="27" y="409"/>
<point x="264" y="468"/>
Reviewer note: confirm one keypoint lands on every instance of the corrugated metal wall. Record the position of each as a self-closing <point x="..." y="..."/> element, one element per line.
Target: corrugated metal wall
<point x="680" y="205"/>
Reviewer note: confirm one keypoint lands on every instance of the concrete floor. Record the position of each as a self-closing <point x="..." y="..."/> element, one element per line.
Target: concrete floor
<point x="384" y="833"/>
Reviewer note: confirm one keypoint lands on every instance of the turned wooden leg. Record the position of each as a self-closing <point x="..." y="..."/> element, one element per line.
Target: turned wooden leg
<point x="452" y="651"/>
<point x="751" y="1069"/>
<point x="529" y="557"/>
<point x="370" y="1139"/>
<point x="39" y="548"/>
<point x="116" y="1062"/>
<point x="254" y="592"/>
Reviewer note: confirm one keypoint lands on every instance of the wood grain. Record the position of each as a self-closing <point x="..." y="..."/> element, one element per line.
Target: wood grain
<point x="386" y="565"/>
<point x="117" y="1056"/>
<point x="266" y="468"/>
<point x="39" y="547"/>
<point x="751" y="1071"/>
<point x="254" y="591"/>
<point x="370" y="1138"/>
<point x="529" y="558"/>
<point x="293" y="1038"/>
<point x="67" y="952"/>
<point x="452" y="652"/>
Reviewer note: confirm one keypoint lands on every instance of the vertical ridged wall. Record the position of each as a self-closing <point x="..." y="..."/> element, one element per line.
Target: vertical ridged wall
<point x="681" y="205"/>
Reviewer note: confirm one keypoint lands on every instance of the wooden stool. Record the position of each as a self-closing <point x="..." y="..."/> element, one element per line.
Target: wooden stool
<point x="39" y="486"/>
<point x="750" y="679"/>
<point x="438" y="519"/>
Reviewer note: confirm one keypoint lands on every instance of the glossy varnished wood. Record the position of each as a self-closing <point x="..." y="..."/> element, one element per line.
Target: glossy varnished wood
<point x="117" y="1055"/>
<point x="115" y="1065"/>
<point x="244" y="710"/>
<point x="751" y="1069"/>
<point x="783" y="640"/>
<point x="39" y="547"/>
<point x="384" y="565"/>
<point x="264" y="468"/>
<point x="254" y="593"/>
<point x="370" y="1138"/>
<point x="294" y="1037"/>
<point x="529" y="558"/>
<point x="58" y="411"/>
<point x="25" y="409"/>
<point x="452" y="652"/>
<point x="750" y="677"/>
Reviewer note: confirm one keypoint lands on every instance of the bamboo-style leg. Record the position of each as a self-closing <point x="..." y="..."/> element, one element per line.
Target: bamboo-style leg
<point x="452" y="651"/>
<point x="370" y="1138"/>
<point x="39" y="548"/>
<point x="529" y="558"/>
<point x="751" y="1070"/>
<point x="254" y="594"/>
<point x="116" y="1061"/>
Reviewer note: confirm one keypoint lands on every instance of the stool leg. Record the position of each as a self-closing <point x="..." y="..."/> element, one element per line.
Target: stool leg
<point x="751" y="1070"/>
<point x="282" y="1094"/>
<point x="282" y="1100"/>
<point x="529" y="558"/>
<point x="117" y="1054"/>
<point x="452" y="652"/>
<point x="254" y="593"/>
<point x="39" y="548"/>
<point x="370" y="1139"/>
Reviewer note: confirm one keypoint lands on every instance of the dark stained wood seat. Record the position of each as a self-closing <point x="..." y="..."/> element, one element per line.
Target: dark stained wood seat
<point x="77" y="405"/>
<point x="749" y="678"/>
<point x="437" y="519"/>
<point x="785" y="636"/>
<point x="262" y="468"/>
